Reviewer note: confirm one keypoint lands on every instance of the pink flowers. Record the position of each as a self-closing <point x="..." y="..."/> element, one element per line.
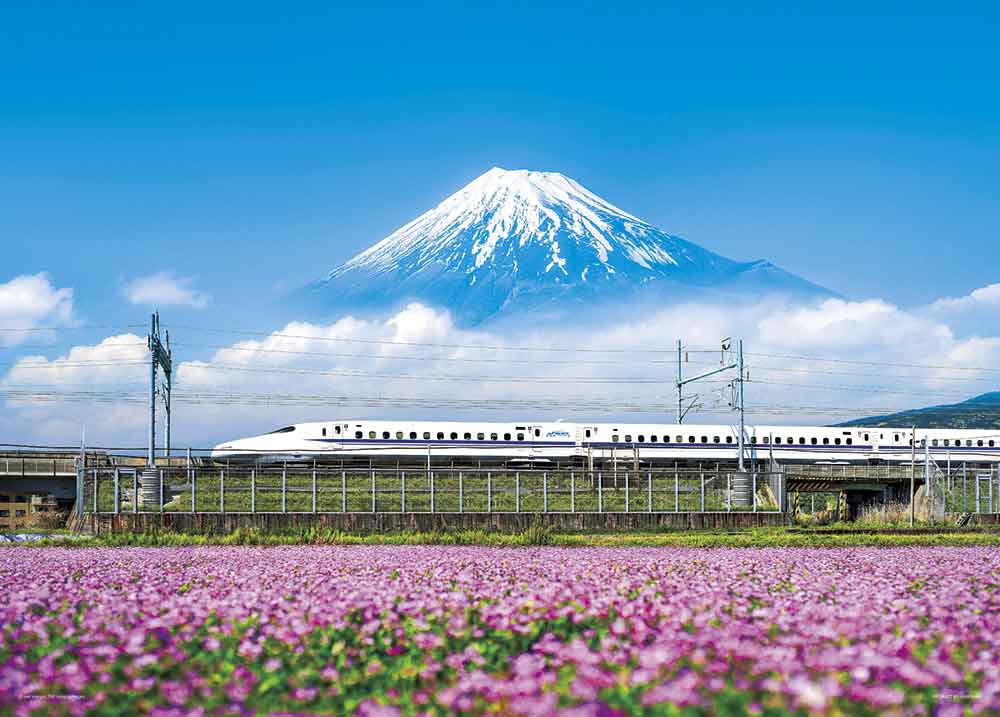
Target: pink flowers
<point x="534" y="631"/>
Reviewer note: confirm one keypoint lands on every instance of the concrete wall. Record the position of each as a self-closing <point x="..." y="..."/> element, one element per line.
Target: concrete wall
<point x="220" y="523"/>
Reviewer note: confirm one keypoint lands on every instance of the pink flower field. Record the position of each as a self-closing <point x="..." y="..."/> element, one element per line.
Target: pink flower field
<point x="526" y="631"/>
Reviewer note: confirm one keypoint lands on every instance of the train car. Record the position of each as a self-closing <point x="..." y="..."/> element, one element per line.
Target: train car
<point x="540" y="442"/>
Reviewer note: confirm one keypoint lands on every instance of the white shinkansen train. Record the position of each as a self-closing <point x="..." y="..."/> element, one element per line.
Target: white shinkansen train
<point x="582" y="442"/>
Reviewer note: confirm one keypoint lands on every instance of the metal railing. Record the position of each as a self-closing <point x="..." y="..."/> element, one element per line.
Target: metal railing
<point x="381" y="490"/>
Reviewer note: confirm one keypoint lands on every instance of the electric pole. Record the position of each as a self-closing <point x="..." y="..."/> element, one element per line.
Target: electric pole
<point x="726" y="366"/>
<point x="159" y="357"/>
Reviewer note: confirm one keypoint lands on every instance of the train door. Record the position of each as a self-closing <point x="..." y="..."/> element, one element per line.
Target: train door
<point x="872" y="439"/>
<point x="586" y="437"/>
<point x="535" y="437"/>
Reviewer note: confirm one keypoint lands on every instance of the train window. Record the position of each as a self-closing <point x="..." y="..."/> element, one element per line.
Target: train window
<point x="454" y="436"/>
<point x="493" y="436"/>
<point x="895" y="437"/>
<point x="286" y="429"/>
<point x="866" y="437"/>
<point x="690" y="439"/>
<point x="729" y="439"/>
<point x="357" y="434"/>
<point x="968" y="442"/>
<point x="427" y="435"/>
<point x="813" y="441"/>
<point x="850" y="441"/>
<point x="385" y="434"/>
<point x="826" y="441"/>
<point x="467" y="436"/>
<point x="652" y="439"/>
<point x="440" y="436"/>
<point x="802" y="441"/>
<point x="399" y="435"/>
<point x="588" y="433"/>
<point x="336" y="429"/>
<point x="371" y="434"/>
<point x="642" y="438"/>
<point x="934" y="442"/>
<point x="991" y="443"/>
<point x="715" y="439"/>
<point x="324" y="431"/>
<point x="413" y="435"/>
<point x="614" y="438"/>
<point x="837" y="441"/>
<point x="704" y="439"/>
<point x="520" y="436"/>
<point x="481" y="436"/>
<point x="628" y="438"/>
<point x="506" y="436"/>
<point x="753" y="440"/>
<point x="777" y="439"/>
<point x="767" y="440"/>
<point x="537" y="433"/>
<point x="980" y="442"/>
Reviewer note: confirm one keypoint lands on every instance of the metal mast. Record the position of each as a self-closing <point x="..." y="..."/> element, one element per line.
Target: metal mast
<point x="159" y="356"/>
<point x="740" y="406"/>
<point x="739" y="362"/>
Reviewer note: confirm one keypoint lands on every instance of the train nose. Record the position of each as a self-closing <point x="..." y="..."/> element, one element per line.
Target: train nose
<point x="223" y="452"/>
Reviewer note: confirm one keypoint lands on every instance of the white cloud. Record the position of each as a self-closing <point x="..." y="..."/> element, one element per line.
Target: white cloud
<point x="32" y="302"/>
<point x="165" y="289"/>
<point x="984" y="297"/>
<point x="975" y="314"/>
<point x="418" y="354"/>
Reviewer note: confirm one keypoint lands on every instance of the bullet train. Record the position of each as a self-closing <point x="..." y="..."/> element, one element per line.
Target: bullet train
<point x="539" y="443"/>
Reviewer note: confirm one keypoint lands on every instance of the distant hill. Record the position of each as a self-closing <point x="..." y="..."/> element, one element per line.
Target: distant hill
<point x="514" y="243"/>
<point x="979" y="412"/>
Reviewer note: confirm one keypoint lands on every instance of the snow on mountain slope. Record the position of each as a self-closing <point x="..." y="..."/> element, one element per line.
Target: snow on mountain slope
<point x="523" y="240"/>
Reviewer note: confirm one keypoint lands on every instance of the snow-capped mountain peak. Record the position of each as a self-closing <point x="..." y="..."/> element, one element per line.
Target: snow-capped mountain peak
<point x="510" y="235"/>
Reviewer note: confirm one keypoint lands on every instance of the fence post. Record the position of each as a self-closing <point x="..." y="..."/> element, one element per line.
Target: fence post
<point x="432" y="491"/>
<point x="753" y="490"/>
<point x="402" y="493"/>
<point x="193" y="476"/>
<point x="702" y="476"/>
<point x="626" y="487"/>
<point x="965" y="491"/>
<point x="116" y="491"/>
<point x="517" y="491"/>
<point x="489" y="492"/>
<point x="729" y="489"/>
<point x="161" y="488"/>
<point x="677" y="490"/>
<point x="572" y="491"/>
<point x="600" y="492"/>
<point x="373" y="490"/>
<point x="314" y="488"/>
<point x="343" y="491"/>
<point x="253" y="490"/>
<point x="284" y="488"/>
<point x="545" y="492"/>
<point x="649" y="491"/>
<point x="461" y="496"/>
<point x="135" y="492"/>
<point x="222" y="490"/>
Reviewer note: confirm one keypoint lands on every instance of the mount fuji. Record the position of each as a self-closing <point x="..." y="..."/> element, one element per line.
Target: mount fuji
<point x="520" y="241"/>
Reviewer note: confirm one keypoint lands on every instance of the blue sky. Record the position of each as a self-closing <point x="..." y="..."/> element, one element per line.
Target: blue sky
<point x="249" y="148"/>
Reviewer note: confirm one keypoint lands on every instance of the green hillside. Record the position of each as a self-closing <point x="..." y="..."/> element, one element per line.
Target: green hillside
<point x="979" y="412"/>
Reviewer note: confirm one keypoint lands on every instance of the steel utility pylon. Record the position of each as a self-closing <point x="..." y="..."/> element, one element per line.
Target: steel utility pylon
<point x="159" y="356"/>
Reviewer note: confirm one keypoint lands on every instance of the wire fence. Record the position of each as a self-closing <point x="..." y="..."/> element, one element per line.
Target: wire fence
<point x="379" y="490"/>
